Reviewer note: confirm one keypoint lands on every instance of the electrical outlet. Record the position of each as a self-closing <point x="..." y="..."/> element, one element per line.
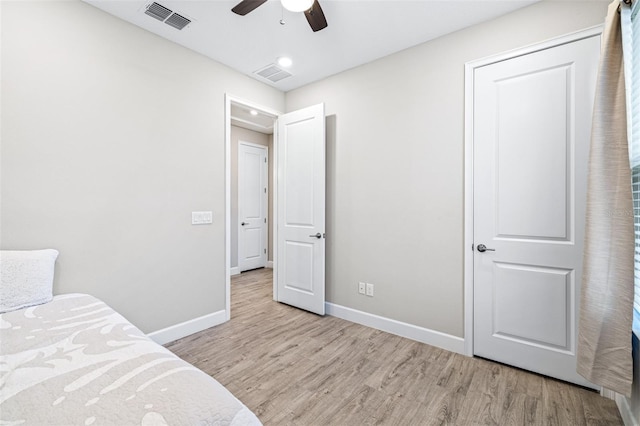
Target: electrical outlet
<point x="370" y="289"/>
<point x="361" y="287"/>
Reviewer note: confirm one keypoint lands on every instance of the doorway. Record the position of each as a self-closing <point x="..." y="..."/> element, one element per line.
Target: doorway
<point x="298" y="175"/>
<point x="251" y="142"/>
<point x="251" y="126"/>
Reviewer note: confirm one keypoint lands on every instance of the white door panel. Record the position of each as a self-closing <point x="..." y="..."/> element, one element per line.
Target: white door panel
<point x="299" y="174"/>
<point x="301" y="209"/>
<point x="545" y="178"/>
<point x="532" y="122"/>
<point x="298" y="274"/>
<point x="531" y="304"/>
<point x="252" y="206"/>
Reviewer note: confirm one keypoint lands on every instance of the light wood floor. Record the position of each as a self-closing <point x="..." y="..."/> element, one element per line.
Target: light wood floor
<point x="291" y="367"/>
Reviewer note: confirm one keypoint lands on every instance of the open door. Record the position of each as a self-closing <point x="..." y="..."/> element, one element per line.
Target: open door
<point x="300" y="237"/>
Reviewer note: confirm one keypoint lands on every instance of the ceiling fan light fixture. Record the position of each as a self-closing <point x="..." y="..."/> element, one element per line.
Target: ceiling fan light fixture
<point x="297" y="5"/>
<point x="311" y="8"/>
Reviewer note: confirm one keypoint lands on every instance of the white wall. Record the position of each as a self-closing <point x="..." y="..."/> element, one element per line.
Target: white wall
<point x="238" y="135"/>
<point x="396" y="166"/>
<point x="111" y="136"/>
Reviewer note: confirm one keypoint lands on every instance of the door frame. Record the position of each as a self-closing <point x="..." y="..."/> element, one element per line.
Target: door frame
<point x="265" y="229"/>
<point x="469" y="72"/>
<point x="228" y="100"/>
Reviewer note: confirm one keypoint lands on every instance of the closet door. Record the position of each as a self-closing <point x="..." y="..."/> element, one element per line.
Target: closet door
<point x="532" y="125"/>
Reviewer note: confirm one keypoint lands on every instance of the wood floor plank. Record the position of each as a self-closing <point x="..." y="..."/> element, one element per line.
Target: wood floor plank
<point x="522" y="410"/>
<point x="295" y="368"/>
<point x="561" y="405"/>
<point x="479" y="410"/>
<point x="358" y="408"/>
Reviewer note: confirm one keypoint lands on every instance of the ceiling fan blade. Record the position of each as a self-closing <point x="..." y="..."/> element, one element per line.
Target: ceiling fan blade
<point x="246" y="6"/>
<point x="315" y="17"/>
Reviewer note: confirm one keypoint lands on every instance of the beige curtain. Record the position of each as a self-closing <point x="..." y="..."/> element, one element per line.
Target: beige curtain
<point x="606" y="308"/>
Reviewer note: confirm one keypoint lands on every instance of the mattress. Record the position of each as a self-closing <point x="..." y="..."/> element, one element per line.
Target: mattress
<point x="75" y="361"/>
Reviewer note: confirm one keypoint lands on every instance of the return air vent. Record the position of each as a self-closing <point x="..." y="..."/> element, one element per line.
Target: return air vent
<point x="273" y="73"/>
<point x="161" y="13"/>
<point x="177" y="21"/>
<point x="158" y="11"/>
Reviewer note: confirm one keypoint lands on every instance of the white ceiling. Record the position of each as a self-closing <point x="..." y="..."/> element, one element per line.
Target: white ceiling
<point x="241" y="116"/>
<point x="359" y="31"/>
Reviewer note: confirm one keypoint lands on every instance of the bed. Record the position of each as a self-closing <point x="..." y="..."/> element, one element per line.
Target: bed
<point x="75" y="361"/>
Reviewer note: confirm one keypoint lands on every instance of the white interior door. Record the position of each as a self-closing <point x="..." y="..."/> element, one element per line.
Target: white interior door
<point x="532" y="123"/>
<point x="252" y="206"/>
<point x="300" y="257"/>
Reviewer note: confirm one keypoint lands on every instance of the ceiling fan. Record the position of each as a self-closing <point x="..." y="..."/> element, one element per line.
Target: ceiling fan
<point x="311" y="8"/>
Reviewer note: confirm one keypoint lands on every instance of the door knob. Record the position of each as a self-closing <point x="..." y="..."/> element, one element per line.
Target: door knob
<point x="482" y="248"/>
<point x="244" y="223"/>
<point x="318" y="235"/>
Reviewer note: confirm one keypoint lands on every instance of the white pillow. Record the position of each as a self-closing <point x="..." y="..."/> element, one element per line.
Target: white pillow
<point x="26" y="278"/>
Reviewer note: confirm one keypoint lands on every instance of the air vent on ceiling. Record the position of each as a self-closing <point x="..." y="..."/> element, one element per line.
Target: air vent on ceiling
<point x="158" y="11"/>
<point x="273" y="73"/>
<point x="161" y="13"/>
<point x="177" y="21"/>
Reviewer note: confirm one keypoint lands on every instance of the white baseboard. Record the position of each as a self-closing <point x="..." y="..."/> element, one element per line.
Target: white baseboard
<point x="625" y="411"/>
<point x="235" y="270"/>
<point x="186" y="328"/>
<point x="420" y="334"/>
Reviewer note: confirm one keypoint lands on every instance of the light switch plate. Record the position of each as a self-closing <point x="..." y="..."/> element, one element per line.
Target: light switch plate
<point x="201" y="218"/>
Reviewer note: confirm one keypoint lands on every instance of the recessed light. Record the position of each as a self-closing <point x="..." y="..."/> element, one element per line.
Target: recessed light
<point x="253" y="112"/>
<point x="285" y="62"/>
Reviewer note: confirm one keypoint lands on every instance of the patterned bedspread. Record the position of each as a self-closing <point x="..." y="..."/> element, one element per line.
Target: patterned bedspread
<point x="75" y="361"/>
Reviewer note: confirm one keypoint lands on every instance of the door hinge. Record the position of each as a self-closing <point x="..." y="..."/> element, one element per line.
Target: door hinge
<point x="265" y="251"/>
<point x="265" y="190"/>
<point x="265" y="220"/>
<point x="472" y="247"/>
<point x="265" y="159"/>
